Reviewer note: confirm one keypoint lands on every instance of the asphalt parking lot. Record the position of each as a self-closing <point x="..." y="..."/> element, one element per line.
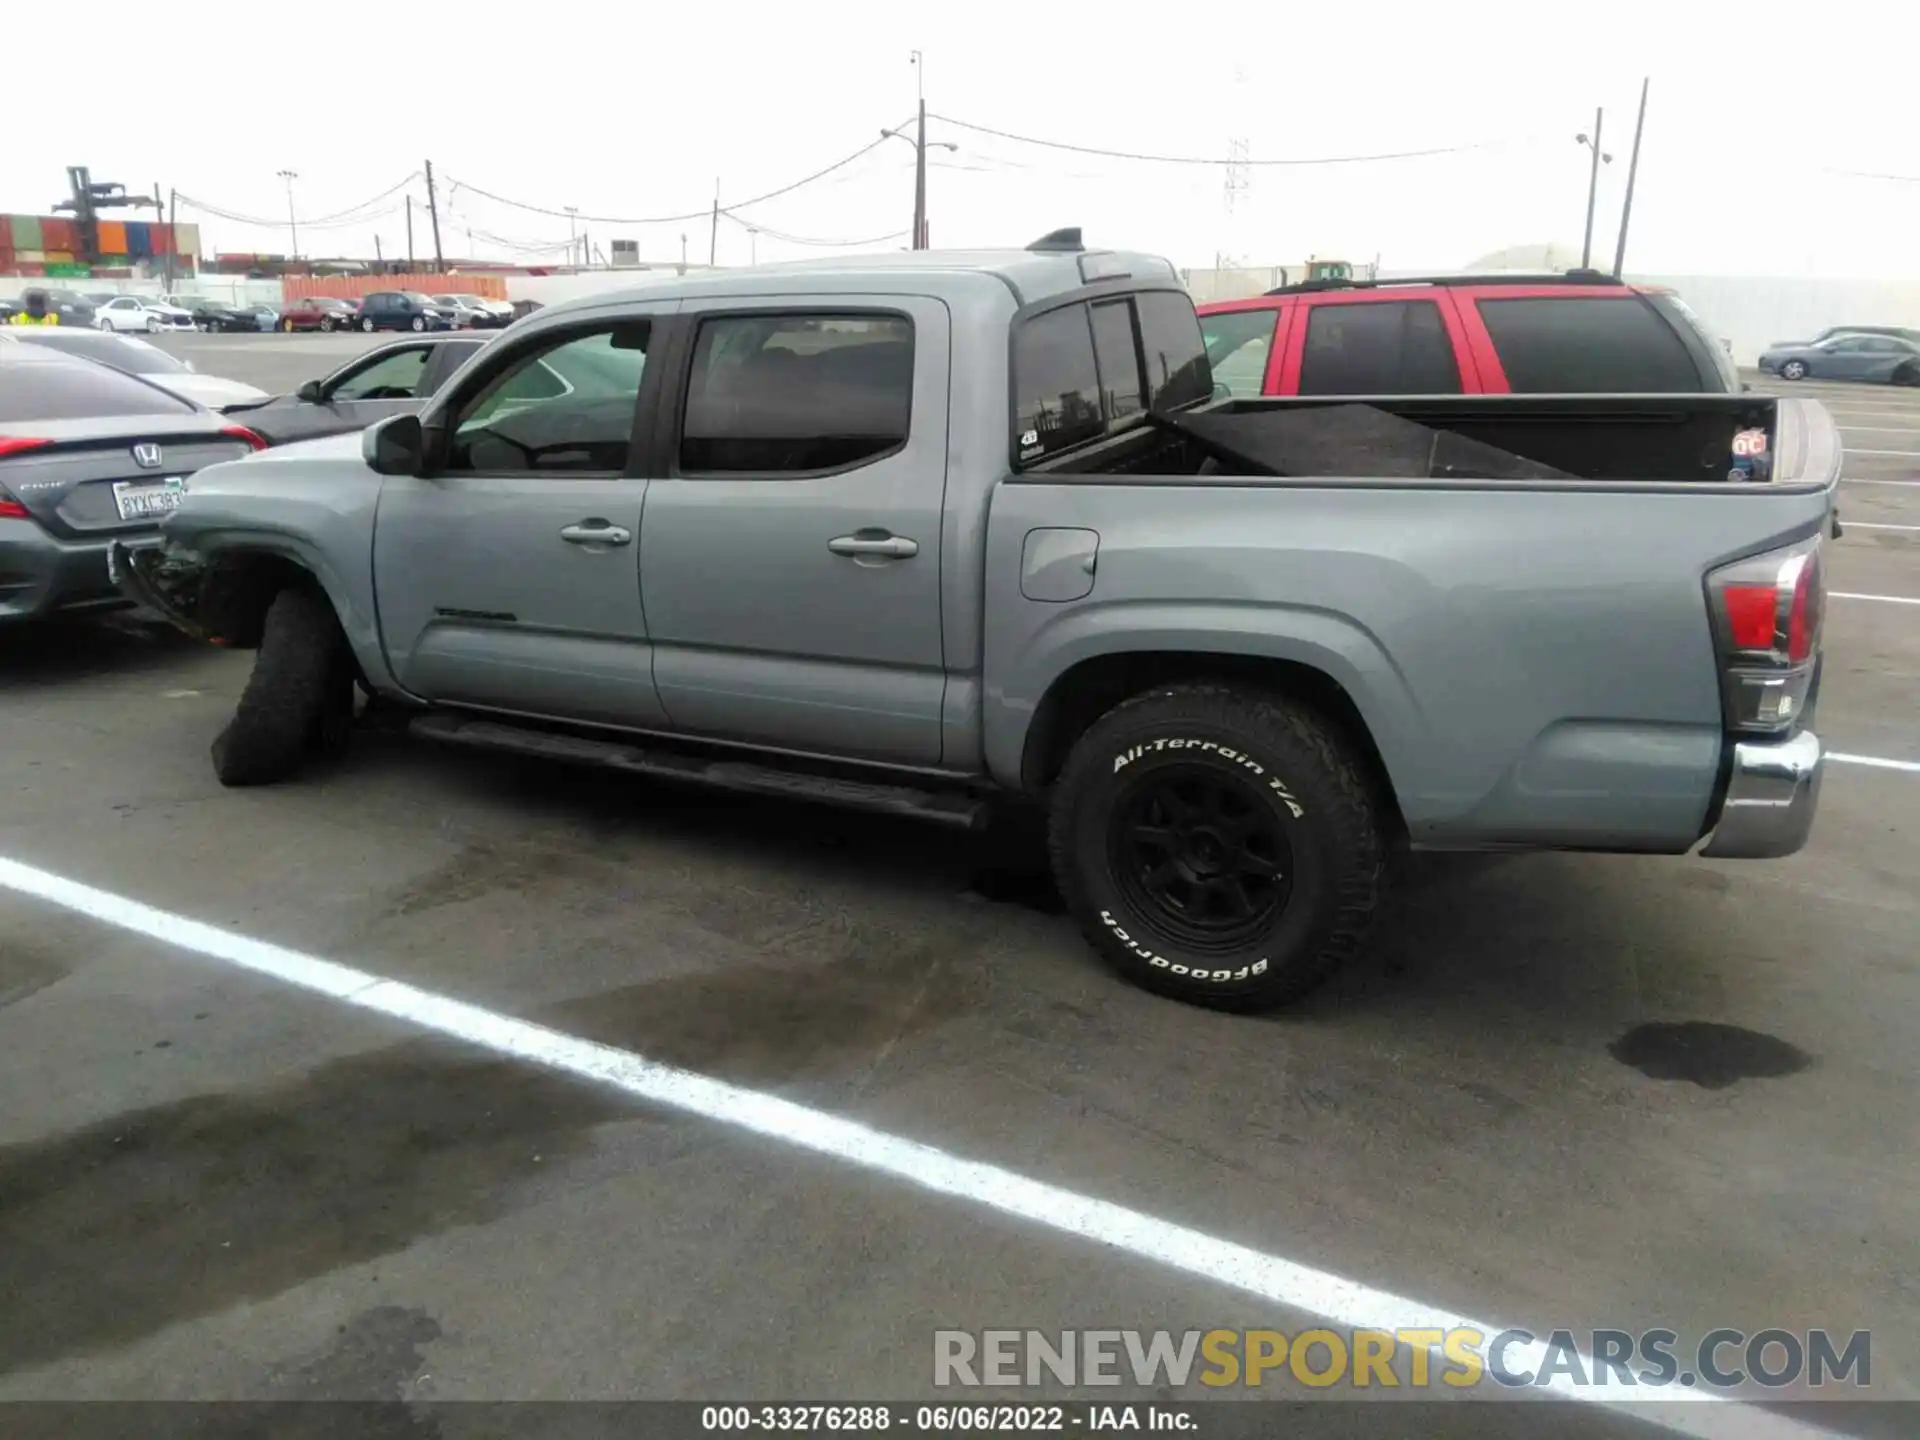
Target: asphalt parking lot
<point x="1565" y="1091"/>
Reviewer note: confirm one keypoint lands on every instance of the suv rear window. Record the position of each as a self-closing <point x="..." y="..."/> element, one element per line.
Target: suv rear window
<point x="1588" y="344"/>
<point x="1378" y="347"/>
<point x="50" y="389"/>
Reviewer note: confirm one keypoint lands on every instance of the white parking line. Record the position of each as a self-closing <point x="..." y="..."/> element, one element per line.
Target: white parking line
<point x="1866" y="525"/>
<point x="1852" y="451"/>
<point x="1883" y="599"/>
<point x="1280" y="1281"/>
<point x="1911" y="766"/>
<point x="1880" y="429"/>
<point x="1869" y="480"/>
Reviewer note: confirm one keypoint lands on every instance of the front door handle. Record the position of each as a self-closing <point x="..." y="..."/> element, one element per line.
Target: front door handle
<point x="875" y="543"/>
<point x="596" y="532"/>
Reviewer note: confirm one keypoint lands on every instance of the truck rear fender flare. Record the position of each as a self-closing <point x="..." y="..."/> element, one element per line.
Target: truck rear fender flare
<point x="1089" y="660"/>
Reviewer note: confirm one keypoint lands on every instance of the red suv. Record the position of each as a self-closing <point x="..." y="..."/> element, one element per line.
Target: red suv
<point x="1581" y="332"/>
<point x="317" y="312"/>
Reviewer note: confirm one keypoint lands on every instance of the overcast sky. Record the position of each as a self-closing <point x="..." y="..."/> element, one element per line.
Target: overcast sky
<point x="631" y="111"/>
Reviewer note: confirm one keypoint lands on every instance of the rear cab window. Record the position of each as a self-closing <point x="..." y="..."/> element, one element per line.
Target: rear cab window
<point x="1378" y="347"/>
<point x="1589" y="344"/>
<point x="1085" y="368"/>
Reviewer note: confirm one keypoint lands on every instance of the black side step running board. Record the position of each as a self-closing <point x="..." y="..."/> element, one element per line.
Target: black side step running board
<point x="965" y="812"/>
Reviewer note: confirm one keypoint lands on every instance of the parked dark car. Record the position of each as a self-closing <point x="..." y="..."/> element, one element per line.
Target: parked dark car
<point x="402" y="310"/>
<point x="89" y="455"/>
<point x="387" y="381"/>
<point x="1874" y="359"/>
<point x="72" y="307"/>
<point x="319" y="312"/>
<point x="1832" y="332"/>
<point x="228" y="316"/>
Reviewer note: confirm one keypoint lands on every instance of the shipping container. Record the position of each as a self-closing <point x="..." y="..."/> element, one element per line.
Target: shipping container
<point x="6" y="232"/>
<point x="113" y="237"/>
<point x="139" y="240"/>
<point x="26" y="232"/>
<point x="162" y="237"/>
<point x="352" y="287"/>
<point x="57" y="232"/>
<point x="186" y="239"/>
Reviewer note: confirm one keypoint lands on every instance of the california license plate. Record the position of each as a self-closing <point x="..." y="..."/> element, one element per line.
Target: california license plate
<point x="147" y="499"/>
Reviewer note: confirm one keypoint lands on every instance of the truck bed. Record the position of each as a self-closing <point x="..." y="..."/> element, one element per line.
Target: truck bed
<point x="1613" y="439"/>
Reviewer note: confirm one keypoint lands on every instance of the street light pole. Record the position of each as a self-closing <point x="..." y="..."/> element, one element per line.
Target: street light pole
<point x="1633" y="171"/>
<point x="1593" y="184"/>
<point x="920" y="142"/>
<point x="293" y="227"/>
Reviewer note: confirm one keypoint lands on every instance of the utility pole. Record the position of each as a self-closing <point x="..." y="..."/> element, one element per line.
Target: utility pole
<point x="713" y="235"/>
<point x="1633" y="171"/>
<point x="433" y="213"/>
<point x="920" y="157"/>
<point x="586" y="251"/>
<point x="293" y="227"/>
<point x="1593" y="185"/>
<point x="167" y="259"/>
<point x="378" y="259"/>
<point x="573" y="233"/>
<point x="409" y="233"/>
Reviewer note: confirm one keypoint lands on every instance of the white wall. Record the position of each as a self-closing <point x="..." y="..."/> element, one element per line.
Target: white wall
<point x="235" y="289"/>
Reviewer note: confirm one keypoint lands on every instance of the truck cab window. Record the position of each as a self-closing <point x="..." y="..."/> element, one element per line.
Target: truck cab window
<point x="1057" y="386"/>
<point x="567" y="408"/>
<point x="1378" y="347"/>
<point x="797" y="394"/>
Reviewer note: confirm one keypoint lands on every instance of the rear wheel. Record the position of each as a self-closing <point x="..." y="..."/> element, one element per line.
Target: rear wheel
<point x="1907" y="375"/>
<point x="326" y="323"/>
<point x="287" y="325"/>
<point x="1794" y="370"/>
<point x="1219" y="845"/>
<point x="419" y="322"/>
<point x="298" y="700"/>
<point x="367" y="325"/>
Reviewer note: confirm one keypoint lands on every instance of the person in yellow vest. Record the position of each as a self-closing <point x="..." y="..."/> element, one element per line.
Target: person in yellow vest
<point x="37" y="311"/>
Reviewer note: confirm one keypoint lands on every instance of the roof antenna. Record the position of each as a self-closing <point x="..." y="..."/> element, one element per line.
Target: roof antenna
<point x="1065" y="241"/>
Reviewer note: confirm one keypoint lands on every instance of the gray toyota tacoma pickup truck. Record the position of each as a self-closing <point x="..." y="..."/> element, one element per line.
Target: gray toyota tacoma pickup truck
<point x="932" y="532"/>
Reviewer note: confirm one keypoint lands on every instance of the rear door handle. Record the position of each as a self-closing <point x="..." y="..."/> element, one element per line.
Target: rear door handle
<point x="875" y="543"/>
<point x="596" y="532"/>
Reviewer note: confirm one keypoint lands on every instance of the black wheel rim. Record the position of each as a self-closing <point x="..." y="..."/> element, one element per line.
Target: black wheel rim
<point x="1201" y="854"/>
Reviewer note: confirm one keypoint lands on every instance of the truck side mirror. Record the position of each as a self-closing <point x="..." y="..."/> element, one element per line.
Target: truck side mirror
<point x="396" y="445"/>
<point x="311" y="393"/>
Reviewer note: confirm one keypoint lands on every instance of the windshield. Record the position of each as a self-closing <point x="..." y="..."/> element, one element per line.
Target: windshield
<point x="418" y="298"/>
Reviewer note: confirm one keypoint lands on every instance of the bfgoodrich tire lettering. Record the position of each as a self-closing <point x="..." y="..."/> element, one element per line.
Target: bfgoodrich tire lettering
<point x="1218" y="845"/>
<point x="291" y="707"/>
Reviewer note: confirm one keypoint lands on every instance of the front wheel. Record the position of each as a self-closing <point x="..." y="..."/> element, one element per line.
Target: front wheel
<point x="326" y="323"/>
<point x="287" y="325"/>
<point x="293" y="705"/>
<point x="1907" y="375"/>
<point x="419" y="322"/>
<point x="1219" y="845"/>
<point x="1794" y="370"/>
<point x="366" y="326"/>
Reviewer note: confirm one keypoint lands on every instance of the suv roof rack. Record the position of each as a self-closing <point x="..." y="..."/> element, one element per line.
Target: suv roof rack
<point x="1575" y="276"/>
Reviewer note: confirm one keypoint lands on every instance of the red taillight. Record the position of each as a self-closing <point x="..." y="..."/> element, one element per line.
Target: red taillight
<point x="1750" y="613"/>
<point x="12" y="509"/>
<point x="14" y="444"/>
<point x="1767" y="614"/>
<point x="241" y="432"/>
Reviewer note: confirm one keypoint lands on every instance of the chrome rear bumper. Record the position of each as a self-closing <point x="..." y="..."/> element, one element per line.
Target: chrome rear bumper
<point x="1771" y="799"/>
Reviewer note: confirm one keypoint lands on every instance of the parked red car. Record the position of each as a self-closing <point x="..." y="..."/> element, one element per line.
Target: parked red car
<point x="317" y="312"/>
<point x="1581" y="332"/>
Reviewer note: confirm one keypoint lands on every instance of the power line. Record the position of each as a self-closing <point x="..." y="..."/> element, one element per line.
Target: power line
<point x="773" y="234"/>
<point x="1204" y="160"/>
<point x="351" y="215"/>
<point x="702" y="213"/>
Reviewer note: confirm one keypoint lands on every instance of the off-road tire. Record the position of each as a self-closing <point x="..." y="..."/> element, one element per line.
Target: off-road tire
<point x="1276" y="752"/>
<point x="292" y="706"/>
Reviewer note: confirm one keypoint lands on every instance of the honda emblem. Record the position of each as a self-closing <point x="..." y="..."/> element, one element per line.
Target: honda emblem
<point x="147" y="456"/>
